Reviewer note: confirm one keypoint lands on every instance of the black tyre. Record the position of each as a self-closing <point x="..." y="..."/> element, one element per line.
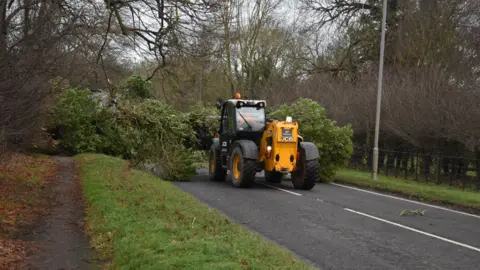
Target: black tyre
<point x="243" y="170"/>
<point x="215" y="170"/>
<point x="273" y="177"/>
<point x="307" y="172"/>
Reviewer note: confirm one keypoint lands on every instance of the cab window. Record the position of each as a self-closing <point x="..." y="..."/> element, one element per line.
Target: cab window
<point x="228" y="121"/>
<point x="250" y="118"/>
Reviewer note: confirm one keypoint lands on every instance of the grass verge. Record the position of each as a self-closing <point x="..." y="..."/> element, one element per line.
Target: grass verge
<point x="140" y="222"/>
<point x="24" y="199"/>
<point x="466" y="200"/>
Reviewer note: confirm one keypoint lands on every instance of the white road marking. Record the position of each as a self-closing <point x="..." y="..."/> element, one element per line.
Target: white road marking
<point x="415" y="230"/>
<point x="407" y="200"/>
<point x="291" y="192"/>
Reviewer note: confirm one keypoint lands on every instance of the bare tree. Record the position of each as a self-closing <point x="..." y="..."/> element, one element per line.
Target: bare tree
<point x="160" y="27"/>
<point x="243" y="24"/>
<point x="39" y="41"/>
<point x="31" y="44"/>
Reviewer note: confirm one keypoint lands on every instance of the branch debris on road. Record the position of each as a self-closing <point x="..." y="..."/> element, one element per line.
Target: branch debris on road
<point x="413" y="212"/>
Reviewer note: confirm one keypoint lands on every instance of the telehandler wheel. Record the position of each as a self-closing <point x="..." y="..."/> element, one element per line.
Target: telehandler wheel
<point x="215" y="170"/>
<point x="243" y="170"/>
<point x="273" y="177"/>
<point x="307" y="172"/>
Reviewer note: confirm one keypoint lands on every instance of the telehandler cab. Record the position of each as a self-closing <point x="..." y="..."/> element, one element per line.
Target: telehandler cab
<point x="247" y="142"/>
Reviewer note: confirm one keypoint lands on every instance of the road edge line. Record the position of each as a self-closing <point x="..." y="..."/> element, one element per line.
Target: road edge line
<point x="414" y="230"/>
<point x="406" y="200"/>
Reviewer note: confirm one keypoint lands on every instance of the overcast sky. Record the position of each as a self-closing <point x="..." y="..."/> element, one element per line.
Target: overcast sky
<point x="288" y="14"/>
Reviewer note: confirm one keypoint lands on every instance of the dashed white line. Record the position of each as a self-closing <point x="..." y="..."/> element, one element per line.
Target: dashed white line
<point x="414" y="230"/>
<point x="407" y="200"/>
<point x="288" y="191"/>
<point x="390" y="222"/>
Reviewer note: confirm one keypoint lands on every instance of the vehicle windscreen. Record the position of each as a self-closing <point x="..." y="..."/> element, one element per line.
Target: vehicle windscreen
<point x="250" y="119"/>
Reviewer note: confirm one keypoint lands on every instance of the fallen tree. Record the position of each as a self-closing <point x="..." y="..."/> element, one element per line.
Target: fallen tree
<point x="140" y="129"/>
<point x="148" y="131"/>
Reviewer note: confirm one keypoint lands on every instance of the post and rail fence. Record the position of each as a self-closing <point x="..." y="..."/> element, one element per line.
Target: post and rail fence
<point x="455" y="171"/>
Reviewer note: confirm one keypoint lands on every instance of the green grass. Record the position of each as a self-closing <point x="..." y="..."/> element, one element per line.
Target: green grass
<point x="424" y="191"/>
<point x="138" y="221"/>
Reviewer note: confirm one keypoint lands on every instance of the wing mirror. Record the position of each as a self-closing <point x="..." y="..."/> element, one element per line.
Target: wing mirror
<point x="218" y="104"/>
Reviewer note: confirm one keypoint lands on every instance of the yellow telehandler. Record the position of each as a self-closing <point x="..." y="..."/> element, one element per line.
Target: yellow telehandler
<point x="247" y="142"/>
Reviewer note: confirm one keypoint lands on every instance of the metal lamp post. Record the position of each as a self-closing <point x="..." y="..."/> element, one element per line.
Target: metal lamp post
<point x="379" y="92"/>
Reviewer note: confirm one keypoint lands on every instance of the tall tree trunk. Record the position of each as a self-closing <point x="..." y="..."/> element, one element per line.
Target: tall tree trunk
<point x="227" y="19"/>
<point x="3" y="28"/>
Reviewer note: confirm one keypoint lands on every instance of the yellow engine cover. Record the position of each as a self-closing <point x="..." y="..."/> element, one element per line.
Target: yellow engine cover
<point x="282" y="137"/>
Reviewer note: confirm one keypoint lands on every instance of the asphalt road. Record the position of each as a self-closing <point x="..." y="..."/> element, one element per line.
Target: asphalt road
<point x="336" y="227"/>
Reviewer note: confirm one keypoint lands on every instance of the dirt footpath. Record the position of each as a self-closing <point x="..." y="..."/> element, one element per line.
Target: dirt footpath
<point x="61" y="241"/>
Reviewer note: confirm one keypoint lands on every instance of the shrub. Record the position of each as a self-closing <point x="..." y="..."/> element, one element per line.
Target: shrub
<point x="204" y="121"/>
<point x="334" y="142"/>
<point x="78" y="113"/>
<point x="204" y="116"/>
<point x="136" y="87"/>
